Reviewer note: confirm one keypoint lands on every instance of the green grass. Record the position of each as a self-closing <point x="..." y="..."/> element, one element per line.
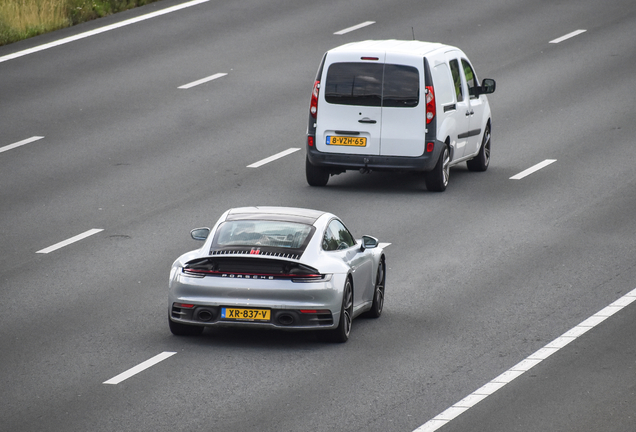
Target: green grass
<point x="22" y="19"/>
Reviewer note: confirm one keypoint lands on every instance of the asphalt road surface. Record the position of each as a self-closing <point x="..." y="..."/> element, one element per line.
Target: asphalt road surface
<point x="509" y="298"/>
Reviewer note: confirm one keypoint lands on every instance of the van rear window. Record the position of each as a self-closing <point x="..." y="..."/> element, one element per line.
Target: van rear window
<point x="361" y="84"/>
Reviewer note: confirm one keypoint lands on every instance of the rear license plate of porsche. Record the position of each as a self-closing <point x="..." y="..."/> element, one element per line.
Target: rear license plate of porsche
<point x="347" y="141"/>
<point x="245" y="314"/>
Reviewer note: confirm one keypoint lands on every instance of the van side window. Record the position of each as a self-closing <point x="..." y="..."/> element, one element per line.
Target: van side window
<point x="354" y="84"/>
<point x="457" y="80"/>
<point x="444" y="88"/>
<point x="401" y="86"/>
<point x="471" y="78"/>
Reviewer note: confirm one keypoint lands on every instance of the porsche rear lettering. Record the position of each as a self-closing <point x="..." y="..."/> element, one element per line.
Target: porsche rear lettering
<point x="240" y="276"/>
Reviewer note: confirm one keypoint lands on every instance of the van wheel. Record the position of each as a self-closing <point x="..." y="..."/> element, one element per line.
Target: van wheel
<point x="482" y="160"/>
<point x="316" y="176"/>
<point x="437" y="179"/>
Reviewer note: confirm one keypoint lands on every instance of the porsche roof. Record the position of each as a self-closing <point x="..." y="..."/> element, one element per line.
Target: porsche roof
<point x="307" y="216"/>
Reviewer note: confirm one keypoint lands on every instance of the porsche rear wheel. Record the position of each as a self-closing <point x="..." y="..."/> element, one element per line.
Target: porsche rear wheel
<point x="378" y="293"/>
<point x="341" y="333"/>
<point x="179" y="329"/>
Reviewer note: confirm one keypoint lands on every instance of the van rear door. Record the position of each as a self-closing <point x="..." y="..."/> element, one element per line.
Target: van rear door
<point x="349" y="115"/>
<point x="403" y="106"/>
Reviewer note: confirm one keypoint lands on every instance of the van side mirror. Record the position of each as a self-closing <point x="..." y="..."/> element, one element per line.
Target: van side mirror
<point x="200" y="234"/>
<point x="488" y="86"/>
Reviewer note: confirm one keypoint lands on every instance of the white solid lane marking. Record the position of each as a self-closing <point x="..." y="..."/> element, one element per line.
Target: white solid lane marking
<point x="532" y="169"/>
<point x="273" y="158"/>
<point x="140" y="367"/>
<point x="383" y="245"/>
<point x="567" y="36"/>
<point x="203" y="80"/>
<point x="20" y="143"/>
<point x="71" y="240"/>
<point x="355" y="27"/>
<point x="527" y="364"/>
<point x="100" y="30"/>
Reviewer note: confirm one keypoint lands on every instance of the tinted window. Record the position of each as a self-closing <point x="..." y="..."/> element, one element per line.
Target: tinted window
<point x="401" y="86"/>
<point x="457" y="79"/>
<point x="361" y="84"/>
<point x="354" y="84"/>
<point x="262" y="233"/>
<point x="337" y="237"/>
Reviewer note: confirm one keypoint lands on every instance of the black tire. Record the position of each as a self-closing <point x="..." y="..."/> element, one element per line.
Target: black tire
<point x="316" y="176"/>
<point x="179" y="329"/>
<point x="378" y="292"/>
<point x="482" y="160"/>
<point x="437" y="179"/>
<point x="342" y="332"/>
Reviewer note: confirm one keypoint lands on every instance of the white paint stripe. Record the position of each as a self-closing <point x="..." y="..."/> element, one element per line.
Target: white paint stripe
<point x="527" y="364"/>
<point x="273" y="158"/>
<point x="383" y="245"/>
<point x="100" y="30"/>
<point x="567" y="36"/>
<point x="355" y="27"/>
<point x="203" y="80"/>
<point x="140" y="367"/>
<point x="530" y="170"/>
<point x="71" y="240"/>
<point x="20" y="143"/>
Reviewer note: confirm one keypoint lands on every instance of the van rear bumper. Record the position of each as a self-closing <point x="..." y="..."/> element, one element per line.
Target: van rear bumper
<point x="338" y="162"/>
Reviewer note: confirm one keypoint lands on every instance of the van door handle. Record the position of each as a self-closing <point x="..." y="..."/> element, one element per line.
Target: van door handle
<point x="469" y="113"/>
<point x="367" y="120"/>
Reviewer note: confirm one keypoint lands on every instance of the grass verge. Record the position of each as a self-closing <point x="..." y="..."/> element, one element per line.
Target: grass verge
<point x="22" y="19"/>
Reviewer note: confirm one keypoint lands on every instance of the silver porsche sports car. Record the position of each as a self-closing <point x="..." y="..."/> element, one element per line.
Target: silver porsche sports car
<point x="277" y="267"/>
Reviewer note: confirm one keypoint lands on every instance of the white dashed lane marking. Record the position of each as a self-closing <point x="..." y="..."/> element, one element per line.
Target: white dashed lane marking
<point x="20" y="143"/>
<point x="74" y="239"/>
<point x="567" y="36"/>
<point x="203" y="80"/>
<point x="532" y="169"/>
<point x="273" y="158"/>
<point x="140" y="367"/>
<point x="355" y="27"/>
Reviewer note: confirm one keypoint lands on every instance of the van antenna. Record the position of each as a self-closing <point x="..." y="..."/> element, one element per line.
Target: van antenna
<point x="413" y="31"/>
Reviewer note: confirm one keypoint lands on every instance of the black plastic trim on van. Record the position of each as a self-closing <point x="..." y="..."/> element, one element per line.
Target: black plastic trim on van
<point x="469" y="133"/>
<point x="338" y="162"/>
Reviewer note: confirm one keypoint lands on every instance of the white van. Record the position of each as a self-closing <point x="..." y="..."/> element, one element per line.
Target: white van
<point x="397" y="105"/>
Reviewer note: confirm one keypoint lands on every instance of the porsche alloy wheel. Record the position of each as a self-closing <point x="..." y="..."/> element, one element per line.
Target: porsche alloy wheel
<point x="341" y="333"/>
<point x="378" y="293"/>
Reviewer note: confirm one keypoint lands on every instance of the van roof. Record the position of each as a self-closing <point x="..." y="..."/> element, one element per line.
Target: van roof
<point x="393" y="45"/>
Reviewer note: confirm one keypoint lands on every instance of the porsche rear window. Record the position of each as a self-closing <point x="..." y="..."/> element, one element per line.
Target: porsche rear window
<point x="259" y="233"/>
<point x="372" y="84"/>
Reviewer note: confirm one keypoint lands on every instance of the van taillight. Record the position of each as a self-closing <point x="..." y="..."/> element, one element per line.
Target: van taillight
<point x="310" y="140"/>
<point x="430" y="104"/>
<point x="313" y="108"/>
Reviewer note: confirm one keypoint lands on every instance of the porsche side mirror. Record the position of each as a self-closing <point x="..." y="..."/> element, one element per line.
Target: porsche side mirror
<point x="200" y="234"/>
<point x="369" y="242"/>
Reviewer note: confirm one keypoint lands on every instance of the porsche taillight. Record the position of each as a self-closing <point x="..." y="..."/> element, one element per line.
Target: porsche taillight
<point x="313" y="107"/>
<point x="430" y="104"/>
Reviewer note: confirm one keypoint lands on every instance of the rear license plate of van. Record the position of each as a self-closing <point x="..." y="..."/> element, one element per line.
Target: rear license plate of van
<point x="347" y="141"/>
